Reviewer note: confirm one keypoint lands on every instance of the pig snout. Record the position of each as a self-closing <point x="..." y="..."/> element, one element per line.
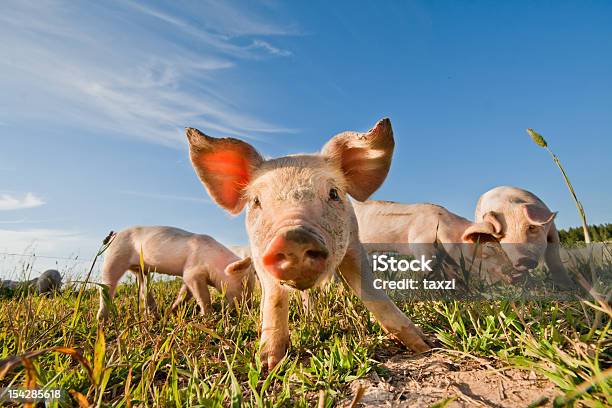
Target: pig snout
<point x="296" y="257"/>
<point x="525" y="264"/>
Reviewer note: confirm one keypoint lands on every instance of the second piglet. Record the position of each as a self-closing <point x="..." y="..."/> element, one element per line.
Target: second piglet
<point x="199" y="259"/>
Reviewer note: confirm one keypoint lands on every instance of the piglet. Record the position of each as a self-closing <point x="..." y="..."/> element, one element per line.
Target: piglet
<point x="300" y="221"/>
<point x="49" y="281"/>
<point x="526" y="229"/>
<point x="199" y="259"/>
<point x="424" y="229"/>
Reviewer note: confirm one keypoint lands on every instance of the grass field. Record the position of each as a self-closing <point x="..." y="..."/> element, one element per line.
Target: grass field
<point x="522" y="353"/>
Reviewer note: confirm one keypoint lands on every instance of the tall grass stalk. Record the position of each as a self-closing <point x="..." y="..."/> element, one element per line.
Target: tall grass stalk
<point x="75" y="315"/>
<point x="540" y="141"/>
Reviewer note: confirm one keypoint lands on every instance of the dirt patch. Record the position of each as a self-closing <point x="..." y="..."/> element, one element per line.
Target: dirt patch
<point x="425" y="380"/>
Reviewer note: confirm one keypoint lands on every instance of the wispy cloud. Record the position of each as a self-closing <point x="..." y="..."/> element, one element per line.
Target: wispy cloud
<point x="165" y="196"/>
<point x="10" y="202"/>
<point x="20" y="221"/>
<point x="230" y="18"/>
<point x="230" y="23"/>
<point x="46" y="240"/>
<point x="133" y="80"/>
<point x="26" y="220"/>
<point x="221" y="43"/>
<point x="270" y="48"/>
<point x="220" y="18"/>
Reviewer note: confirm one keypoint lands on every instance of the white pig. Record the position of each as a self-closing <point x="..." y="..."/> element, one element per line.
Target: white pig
<point x="415" y="229"/>
<point x="300" y="221"/>
<point x="199" y="259"/>
<point x="48" y="282"/>
<point x="526" y="228"/>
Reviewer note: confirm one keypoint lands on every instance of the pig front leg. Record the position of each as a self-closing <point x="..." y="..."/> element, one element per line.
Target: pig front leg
<point x="552" y="258"/>
<point x="183" y="296"/>
<point x="275" y="322"/>
<point x="197" y="284"/>
<point x="114" y="267"/>
<point x="356" y="271"/>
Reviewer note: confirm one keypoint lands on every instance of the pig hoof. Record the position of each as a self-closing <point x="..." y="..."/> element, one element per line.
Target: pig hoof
<point x="432" y="343"/>
<point x="421" y="347"/>
<point x="413" y="338"/>
<point x="273" y="351"/>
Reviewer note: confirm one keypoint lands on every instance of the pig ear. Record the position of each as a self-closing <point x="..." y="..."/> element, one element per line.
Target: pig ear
<point x="224" y="166"/>
<point x="364" y="158"/>
<point x="480" y="232"/>
<point x="238" y="267"/>
<point x="492" y="219"/>
<point x="537" y="214"/>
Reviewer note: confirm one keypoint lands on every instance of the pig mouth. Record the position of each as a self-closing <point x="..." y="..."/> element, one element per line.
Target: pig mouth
<point x="298" y="285"/>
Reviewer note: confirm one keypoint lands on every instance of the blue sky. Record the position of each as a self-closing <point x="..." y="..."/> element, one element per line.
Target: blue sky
<point x="95" y="95"/>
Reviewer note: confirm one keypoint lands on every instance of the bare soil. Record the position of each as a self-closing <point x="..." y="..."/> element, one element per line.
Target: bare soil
<point x="421" y="381"/>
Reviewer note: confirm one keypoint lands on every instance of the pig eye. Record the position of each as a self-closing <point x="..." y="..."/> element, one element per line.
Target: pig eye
<point x="256" y="203"/>
<point x="333" y="195"/>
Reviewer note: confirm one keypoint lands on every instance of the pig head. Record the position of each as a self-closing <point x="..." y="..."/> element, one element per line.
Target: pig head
<point x="526" y="227"/>
<point x="300" y="222"/>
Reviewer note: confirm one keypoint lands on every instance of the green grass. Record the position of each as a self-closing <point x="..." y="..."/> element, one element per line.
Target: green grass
<point x="183" y="359"/>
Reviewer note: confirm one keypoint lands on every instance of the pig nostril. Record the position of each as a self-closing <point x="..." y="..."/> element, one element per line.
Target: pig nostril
<point x="314" y="254"/>
<point x="274" y="258"/>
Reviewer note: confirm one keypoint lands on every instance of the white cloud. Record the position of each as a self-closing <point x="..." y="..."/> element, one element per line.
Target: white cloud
<point x="26" y="220"/>
<point x="48" y="241"/>
<point x="270" y="48"/>
<point x="230" y="23"/>
<point x="218" y="42"/>
<point x="221" y="19"/>
<point x="10" y="202"/>
<point x="147" y="79"/>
